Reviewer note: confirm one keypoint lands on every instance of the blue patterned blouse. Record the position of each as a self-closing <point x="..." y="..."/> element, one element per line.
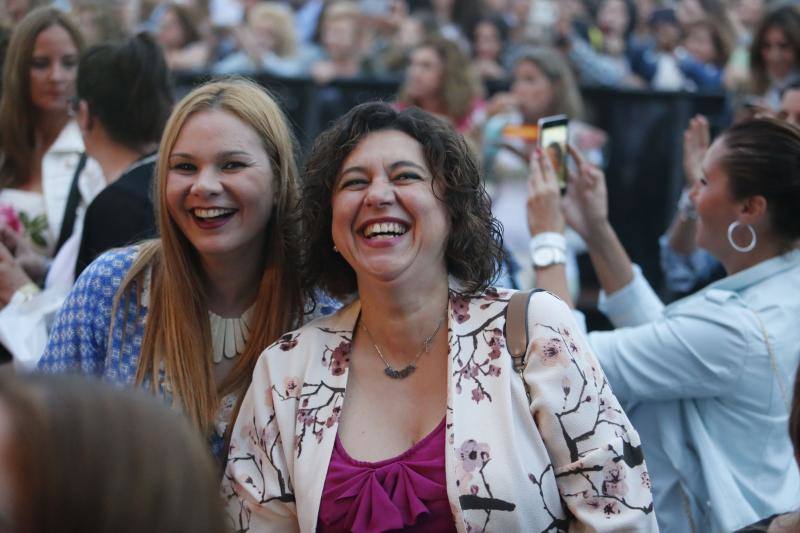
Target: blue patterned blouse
<point x="82" y="339"/>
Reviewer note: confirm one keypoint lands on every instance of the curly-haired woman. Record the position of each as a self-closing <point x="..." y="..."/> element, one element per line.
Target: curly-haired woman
<point x="441" y="80"/>
<point x="403" y="411"/>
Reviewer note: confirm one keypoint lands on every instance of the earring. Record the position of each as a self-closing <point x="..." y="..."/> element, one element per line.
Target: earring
<point x="753" y="239"/>
<point x="335" y="249"/>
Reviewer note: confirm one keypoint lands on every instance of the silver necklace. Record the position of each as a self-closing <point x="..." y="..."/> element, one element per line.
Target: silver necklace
<point x="408" y="370"/>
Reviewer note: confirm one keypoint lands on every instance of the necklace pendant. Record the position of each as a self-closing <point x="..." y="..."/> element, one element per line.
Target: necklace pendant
<point x="400" y="374"/>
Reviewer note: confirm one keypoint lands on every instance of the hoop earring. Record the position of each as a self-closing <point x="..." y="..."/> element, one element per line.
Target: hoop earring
<point x="753" y="239"/>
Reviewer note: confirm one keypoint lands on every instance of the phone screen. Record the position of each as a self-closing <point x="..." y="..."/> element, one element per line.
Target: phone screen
<point x="553" y="140"/>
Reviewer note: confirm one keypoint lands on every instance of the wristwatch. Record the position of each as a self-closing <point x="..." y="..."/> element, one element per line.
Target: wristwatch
<point x="548" y="249"/>
<point x="546" y="256"/>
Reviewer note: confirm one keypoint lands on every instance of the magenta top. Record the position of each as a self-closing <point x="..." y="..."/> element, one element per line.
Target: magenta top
<point x="407" y="492"/>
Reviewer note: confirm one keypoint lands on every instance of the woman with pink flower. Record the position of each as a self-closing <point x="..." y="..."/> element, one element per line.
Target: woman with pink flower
<point x="41" y="161"/>
<point x="403" y="410"/>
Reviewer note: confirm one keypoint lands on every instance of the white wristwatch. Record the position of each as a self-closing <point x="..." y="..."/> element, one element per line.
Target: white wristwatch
<point x="546" y="256"/>
<point x="548" y="249"/>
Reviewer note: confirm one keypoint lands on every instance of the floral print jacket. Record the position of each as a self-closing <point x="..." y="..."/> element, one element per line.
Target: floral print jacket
<point x="567" y="461"/>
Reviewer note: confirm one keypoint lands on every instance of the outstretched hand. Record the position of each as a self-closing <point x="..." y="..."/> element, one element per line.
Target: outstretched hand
<point x="696" y="140"/>
<point x="586" y="201"/>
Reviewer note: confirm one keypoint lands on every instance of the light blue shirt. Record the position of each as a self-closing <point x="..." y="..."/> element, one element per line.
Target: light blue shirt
<point x="709" y="401"/>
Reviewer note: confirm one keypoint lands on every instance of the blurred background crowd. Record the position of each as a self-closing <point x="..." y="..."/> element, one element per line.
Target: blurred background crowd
<point x="661" y="44"/>
<point x="629" y="74"/>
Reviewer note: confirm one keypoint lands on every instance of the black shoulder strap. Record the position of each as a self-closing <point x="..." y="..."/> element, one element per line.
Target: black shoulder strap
<point x="71" y="210"/>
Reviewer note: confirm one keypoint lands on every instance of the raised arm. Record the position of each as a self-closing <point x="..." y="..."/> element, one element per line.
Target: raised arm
<point x="585" y="208"/>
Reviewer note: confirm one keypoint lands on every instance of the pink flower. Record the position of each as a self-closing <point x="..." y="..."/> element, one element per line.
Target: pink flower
<point x="573" y="347"/>
<point x="478" y="395"/>
<point x="473" y="455"/>
<point x="9" y="217"/>
<point x="494" y="370"/>
<point x="340" y="358"/>
<point x="496" y="343"/>
<point x="614" y="479"/>
<point x="550" y="352"/>
<point x="331" y="420"/>
<point x="460" y="306"/>
<point x="305" y="417"/>
<point x="292" y="387"/>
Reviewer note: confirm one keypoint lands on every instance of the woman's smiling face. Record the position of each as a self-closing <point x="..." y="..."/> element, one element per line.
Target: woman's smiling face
<point x="220" y="185"/>
<point x="388" y="223"/>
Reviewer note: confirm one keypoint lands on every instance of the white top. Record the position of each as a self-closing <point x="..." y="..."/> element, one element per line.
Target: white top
<point x="24" y="323"/>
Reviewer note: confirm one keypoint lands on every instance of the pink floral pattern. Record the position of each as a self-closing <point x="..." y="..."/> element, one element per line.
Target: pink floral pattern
<point x="472" y="362"/>
<point x="340" y="358"/>
<point x="575" y="458"/>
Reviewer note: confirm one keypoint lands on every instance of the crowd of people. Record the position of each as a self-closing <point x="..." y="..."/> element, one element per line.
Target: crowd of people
<point x="341" y="336"/>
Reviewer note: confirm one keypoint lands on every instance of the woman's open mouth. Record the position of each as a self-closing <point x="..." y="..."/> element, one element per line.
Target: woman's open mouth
<point x="211" y="218"/>
<point x="384" y="230"/>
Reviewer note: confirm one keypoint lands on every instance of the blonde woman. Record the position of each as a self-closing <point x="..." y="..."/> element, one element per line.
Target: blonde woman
<point x="187" y="315"/>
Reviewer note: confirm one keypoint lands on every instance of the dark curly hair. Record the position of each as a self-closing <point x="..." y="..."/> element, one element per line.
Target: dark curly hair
<point x="475" y="245"/>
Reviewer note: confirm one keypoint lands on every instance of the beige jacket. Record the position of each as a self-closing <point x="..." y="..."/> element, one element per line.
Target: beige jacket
<point x="568" y="461"/>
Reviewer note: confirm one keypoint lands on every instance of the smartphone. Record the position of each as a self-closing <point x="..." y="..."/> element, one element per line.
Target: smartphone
<point x="553" y="141"/>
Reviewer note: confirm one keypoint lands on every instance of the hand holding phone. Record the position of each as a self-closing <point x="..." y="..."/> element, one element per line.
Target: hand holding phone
<point x="553" y="142"/>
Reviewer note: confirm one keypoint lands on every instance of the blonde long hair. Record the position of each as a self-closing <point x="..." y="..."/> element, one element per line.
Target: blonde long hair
<point x="177" y="334"/>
